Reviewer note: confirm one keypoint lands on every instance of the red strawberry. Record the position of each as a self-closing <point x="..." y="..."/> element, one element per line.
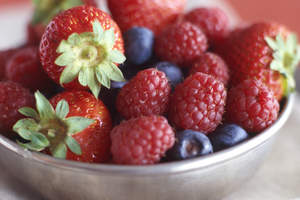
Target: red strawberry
<point x="266" y="52"/>
<point x="155" y="14"/>
<point x="198" y="103"/>
<point x="146" y="94"/>
<point x="212" y="21"/>
<point x="44" y="11"/>
<point x="80" y="49"/>
<point x="252" y="105"/>
<point x="141" y="141"/>
<point x="24" y="67"/>
<point x="13" y="96"/>
<point x="78" y="129"/>
<point x="212" y="64"/>
<point x="4" y="57"/>
<point x="181" y="43"/>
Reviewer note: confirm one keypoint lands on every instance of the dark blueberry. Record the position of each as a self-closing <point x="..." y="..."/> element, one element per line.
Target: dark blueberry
<point x="108" y="96"/>
<point x="129" y="70"/>
<point x="189" y="144"/>
<point x="173" y="72"/>
<point x="227" y="136"/>
<point x="138" y="45"/>
<point x="53" y="91"/>
<point x="117" y="119"/>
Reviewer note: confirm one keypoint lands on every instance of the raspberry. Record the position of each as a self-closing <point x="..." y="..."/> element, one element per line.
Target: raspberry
<point x="142" y="140"/>
<point x="212" y="21"/>
<point x="25" y="68"/>
<point x="212" y="64"/>
<point x="12" y="97"/>
<point x="146" y="94"/>
<point x="252" y="105"/>
<point x="4" y="57"/>
<point x="181" y="43"/>
<point x="198" y="103"/>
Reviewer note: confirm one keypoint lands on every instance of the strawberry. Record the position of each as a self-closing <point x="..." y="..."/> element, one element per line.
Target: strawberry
<point x="13" y="96"/>
<point x="77" y="129"/>
<point x="44" y="11"/>
<point x="25" y="68"/>
<point x="155" y="14"/>
<point x="81" y="48"/>
<point x="181" y="43"/>
<point x="266" y="52"/>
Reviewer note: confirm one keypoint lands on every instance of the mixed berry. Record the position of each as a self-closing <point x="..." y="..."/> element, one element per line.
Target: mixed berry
<point x="147" y="84"/>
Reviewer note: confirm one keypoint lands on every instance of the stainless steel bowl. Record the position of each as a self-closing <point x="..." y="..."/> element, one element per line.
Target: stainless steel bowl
<point x="208" y="177"/>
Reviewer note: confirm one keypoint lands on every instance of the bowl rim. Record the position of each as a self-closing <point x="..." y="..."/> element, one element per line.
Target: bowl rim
<point x="161" y="168"/>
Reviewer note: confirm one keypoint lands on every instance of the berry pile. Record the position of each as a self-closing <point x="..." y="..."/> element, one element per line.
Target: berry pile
<point x="148" y="84"/>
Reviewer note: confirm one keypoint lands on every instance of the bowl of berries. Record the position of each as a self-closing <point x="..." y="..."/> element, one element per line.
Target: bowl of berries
<point x="150" y="102"/>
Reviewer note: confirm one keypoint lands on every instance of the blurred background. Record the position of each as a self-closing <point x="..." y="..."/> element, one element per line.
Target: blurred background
<point x="250" y="10"/>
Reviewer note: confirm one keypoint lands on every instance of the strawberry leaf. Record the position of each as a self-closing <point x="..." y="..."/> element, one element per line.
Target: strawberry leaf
<point x="23" y="126"/>
<point x="92" y="83"/>
<point x="77" y="124"/>
<point x="109" y="38"/>
<point x="73" y="145"/>
<point x="44" y="107"/>
<point x="30" y="146"/>
<point x="98" y="30"/>
<point x="29" y="112"/>
<point x="69" y="74"/>
<point x="62" y="109"/>
<point x="117" y="57"/>
<point x="286" y="57"/>
<point x="60" y="151"/>
<point x="102" y="77"/>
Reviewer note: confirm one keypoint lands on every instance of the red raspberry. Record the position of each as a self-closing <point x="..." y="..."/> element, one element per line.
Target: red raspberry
<point x="12" y="97"/>
<point x="212" y="21"/>
<point x="25" y="68"/>
<point x="146" y="94"/>
<point x="4" y="57"/>
<point x="143" y="140"/>
<point x="212" y="64"/>
<point x="252" y="105"/>
<point x="181" y="43"/>
<point x="198" y="103"/>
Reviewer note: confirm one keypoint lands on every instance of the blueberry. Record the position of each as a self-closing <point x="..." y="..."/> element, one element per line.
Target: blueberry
<point x="173" y="72"/>
<point x="138" y="45"/>
<point x="227" y="136"/>
<point x="117" y="85"/>
<point x="189" y="144"/>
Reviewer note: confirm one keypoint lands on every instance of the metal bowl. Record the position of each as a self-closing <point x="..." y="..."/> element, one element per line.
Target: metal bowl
<point x="208" y="177"/>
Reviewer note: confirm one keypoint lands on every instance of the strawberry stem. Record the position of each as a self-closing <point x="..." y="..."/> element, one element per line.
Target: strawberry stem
<point x="286" y="57"/>
<point x="91" y="58"/>
<point x="50" y="128"/>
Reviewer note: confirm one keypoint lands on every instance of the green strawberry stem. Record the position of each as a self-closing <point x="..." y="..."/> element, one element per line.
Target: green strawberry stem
<point x="49" y="128"/>
<point x="286" y="57"/>
<point x="45" y="10"/>
<point x="91" y="58"/>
